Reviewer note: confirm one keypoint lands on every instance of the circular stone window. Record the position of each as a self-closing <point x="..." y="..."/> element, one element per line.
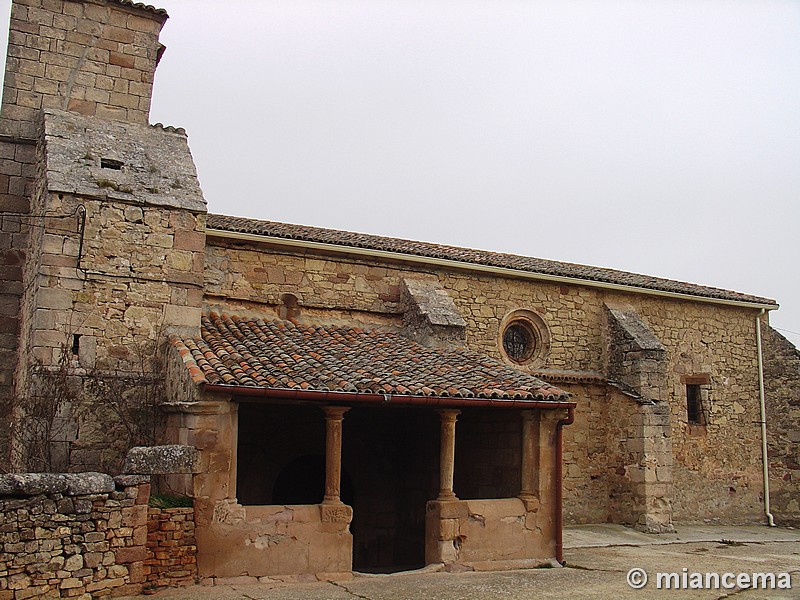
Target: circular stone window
<point x="519" y="342"/>
<point x="524" y="337"/>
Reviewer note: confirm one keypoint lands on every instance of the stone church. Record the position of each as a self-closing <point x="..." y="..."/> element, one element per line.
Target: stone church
<point x="357" y="402"/>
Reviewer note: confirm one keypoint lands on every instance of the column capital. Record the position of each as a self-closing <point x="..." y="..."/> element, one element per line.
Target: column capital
<point x="335" y="412"/>
<point x="448" y="414"/>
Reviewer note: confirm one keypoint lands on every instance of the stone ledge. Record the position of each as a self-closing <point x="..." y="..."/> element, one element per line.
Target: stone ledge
<point x="69" y="484"/>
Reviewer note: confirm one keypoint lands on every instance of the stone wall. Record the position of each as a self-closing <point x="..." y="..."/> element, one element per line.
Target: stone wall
<point x="782" y="392"/>
<point x="93" y="57"/>
<point x="486" y="535"/>
<point x="66" y="535"/>
<point x="171" y="548"/>
<point x="72" y="534"/>
<point x="715" y="471"/>
<point x="111" y="271"/>
<point x="16" y="185"/>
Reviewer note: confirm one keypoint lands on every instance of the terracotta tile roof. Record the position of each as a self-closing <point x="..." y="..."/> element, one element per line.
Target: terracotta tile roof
<point x="476" y="257"/>
<point x="279" y="354"/>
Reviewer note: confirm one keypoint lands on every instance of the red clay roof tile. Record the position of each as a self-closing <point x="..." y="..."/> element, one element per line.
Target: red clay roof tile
<point x="279" y="354"/>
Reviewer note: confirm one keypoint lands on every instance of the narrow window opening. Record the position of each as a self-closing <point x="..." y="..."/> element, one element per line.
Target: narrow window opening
<point x="76" y="344"/>
<point x="110" y="163"/>
<point x="289" y="308"/>
<point x="694" y="405"/>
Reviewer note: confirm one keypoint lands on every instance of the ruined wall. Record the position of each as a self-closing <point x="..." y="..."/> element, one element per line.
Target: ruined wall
<point x="782" y="393"/>
<point x="716" y="473"/>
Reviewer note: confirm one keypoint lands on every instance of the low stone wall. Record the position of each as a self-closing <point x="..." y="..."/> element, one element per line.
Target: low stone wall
<point x="172" y="549"/>
<point x="69" y="535"/>
<point x="90" y="536"/>
<point x="487" y="534"/>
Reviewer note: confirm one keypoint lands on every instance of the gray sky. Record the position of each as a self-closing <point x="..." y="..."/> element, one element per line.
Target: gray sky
<point x="661" y="137"/>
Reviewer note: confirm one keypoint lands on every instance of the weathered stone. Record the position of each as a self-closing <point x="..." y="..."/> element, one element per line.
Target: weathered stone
<point x="430" y="315"/>
<point x="158" y="460"/>
<point x="81" y="484"/>
<point x="31" y="484"/>
<point x="123" y="481"/>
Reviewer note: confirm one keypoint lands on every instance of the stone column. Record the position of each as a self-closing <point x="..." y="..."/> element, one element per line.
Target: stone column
<point x="333" y="453"/>
<point x="447" y="454"/>
<point x="530" y="454"/>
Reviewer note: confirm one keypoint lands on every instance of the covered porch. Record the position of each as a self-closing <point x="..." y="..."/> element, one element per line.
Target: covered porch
<point x="303" y="481"/>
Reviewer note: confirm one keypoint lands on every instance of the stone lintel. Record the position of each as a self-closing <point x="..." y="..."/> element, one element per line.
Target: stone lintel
<point x="162" y="460"/>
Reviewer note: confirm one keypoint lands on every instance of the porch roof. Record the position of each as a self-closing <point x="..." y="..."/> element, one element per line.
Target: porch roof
<point x="280" y="355"/>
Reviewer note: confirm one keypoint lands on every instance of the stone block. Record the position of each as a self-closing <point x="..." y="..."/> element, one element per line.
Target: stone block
<point x="80" y="484"/>
<point x="130" y="554"/>
<point x="182" y="316"/>
<point x="162" y="460"/>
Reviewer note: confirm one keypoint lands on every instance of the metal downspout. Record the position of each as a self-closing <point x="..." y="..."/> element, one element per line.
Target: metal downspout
<point x="764" y="454"/>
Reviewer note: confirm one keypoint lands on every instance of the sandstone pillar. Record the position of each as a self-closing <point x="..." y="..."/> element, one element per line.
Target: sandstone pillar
<point x="530" y="454"/>
<point x="333" y="453"/>
<point x="447" y="454"/>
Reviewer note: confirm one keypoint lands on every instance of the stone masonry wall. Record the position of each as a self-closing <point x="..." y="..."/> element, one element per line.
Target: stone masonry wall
<point x="782" y="393"/>
<point x="716" y="473"/>
<point x="65" y="536"/>
<point x="171" y="546"/>
<point x="94" y="57"/>
<point x="110" y="272"/>
<point x="91" y="57"/>
<point x="16" y="185"/>
<point x="70" y="535"/>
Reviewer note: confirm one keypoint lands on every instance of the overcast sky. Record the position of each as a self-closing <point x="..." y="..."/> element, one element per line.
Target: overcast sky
<point x="661" y="137"/>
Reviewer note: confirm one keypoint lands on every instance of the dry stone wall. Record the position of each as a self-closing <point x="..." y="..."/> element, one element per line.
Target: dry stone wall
<point x="71" y="535"/>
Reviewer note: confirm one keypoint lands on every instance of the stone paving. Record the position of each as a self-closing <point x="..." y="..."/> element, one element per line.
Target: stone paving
<point x="598" y="557"/>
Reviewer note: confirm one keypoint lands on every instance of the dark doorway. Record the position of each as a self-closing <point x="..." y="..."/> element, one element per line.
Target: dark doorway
<point x="392" y="457"/>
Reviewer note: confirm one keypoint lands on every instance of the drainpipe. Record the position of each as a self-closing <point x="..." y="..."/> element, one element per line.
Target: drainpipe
<point x="764" y="454"/>
<point x="559" y="486"/>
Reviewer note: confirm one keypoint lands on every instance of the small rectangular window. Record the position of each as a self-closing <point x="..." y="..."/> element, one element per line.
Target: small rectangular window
<point x="76" y="344"/>
<point x="694" y="405"/>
